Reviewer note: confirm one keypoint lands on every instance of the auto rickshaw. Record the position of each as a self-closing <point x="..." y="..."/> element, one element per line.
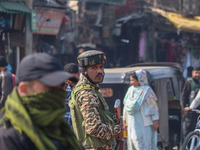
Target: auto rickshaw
<point x="166" y="80"/>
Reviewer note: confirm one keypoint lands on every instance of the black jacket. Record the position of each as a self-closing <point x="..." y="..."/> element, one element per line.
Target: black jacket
<point x="11" y="139"/>
<point x="186" y="92"/>
<point x="6" y="85"/>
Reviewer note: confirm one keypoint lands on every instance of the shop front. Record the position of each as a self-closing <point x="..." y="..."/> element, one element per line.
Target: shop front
<point x="12" y="26"/>
<point x="182" y="44"/>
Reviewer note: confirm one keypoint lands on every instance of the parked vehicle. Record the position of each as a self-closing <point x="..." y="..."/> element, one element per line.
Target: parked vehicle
<point x="166" y="80"/>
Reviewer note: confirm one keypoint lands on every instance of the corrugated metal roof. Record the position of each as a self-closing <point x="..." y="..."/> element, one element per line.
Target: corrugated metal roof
<point x="13" y="7"/>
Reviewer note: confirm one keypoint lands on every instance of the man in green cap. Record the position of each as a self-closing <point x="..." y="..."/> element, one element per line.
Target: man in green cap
<point x="33" y="114"/>
<point x="92" y="122"/>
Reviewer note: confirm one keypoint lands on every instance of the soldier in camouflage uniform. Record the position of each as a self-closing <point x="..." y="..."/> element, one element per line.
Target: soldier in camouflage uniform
<point x="93" y="123"/>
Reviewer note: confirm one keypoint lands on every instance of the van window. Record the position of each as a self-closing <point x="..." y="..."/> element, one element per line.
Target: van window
<point x="170" y="90"/>
<point x="173" y="89"/>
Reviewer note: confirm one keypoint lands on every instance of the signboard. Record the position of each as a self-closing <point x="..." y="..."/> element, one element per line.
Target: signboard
<point x="46" y="21"/>
<point x="5" y="22"/>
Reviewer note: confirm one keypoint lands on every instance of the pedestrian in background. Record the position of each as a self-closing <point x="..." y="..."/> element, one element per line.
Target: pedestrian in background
<point x="189" y="92"/>
<point x="93" y="124"/>
<point x="189" y="71"/>
<point x="6" y="81"/>
<point x="34" y="111"/>
<point x="13" y="75"/>
<point x="140" y="113"/>
<point x="73" y="69"/>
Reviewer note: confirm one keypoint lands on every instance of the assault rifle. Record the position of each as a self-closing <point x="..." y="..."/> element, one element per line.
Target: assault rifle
<point x="117" y="107"/>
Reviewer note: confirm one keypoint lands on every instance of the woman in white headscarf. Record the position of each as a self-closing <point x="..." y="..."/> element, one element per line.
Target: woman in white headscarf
<point x="140" y="114"/>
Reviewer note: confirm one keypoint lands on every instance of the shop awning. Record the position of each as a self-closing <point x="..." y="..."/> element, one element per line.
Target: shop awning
<point x="180" y="22"/>
<point x="13" y="7"/>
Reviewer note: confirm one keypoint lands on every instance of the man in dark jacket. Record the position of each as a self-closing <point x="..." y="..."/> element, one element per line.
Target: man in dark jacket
<point x="6" y="81"/>
<point x="34" y="111"/>
<point x="190" y="90"/>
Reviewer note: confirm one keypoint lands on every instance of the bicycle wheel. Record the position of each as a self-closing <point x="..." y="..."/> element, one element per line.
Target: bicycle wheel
<point x="191" y="141"/>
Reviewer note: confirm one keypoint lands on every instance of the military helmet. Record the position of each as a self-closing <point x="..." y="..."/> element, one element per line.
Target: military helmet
<point x="91" y="57"/>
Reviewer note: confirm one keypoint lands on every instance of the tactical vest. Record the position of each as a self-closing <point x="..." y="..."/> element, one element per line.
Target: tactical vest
<point x="87" y="140"/>
<point x="194" y="89"/>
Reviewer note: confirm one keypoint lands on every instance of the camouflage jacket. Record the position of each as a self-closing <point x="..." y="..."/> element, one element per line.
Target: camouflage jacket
<point x="88" y="102"/>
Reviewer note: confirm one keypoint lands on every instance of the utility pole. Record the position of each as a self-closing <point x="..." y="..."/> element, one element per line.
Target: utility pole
<point x="28" y="32"/>
<point x="180" y="6"/>
<point x="155" y="3"/>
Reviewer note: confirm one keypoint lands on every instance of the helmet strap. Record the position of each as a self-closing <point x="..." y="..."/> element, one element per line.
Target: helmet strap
<point x="86" y="75"/>
<point x="83" y="71"/>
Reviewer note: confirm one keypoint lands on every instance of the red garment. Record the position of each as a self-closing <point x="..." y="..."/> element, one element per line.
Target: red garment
<point x="172" y="51"/>
<point x="14" y="77"/>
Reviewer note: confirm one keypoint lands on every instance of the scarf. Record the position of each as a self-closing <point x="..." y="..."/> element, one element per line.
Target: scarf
<point x="134" y="98"/>
<point x="41" y="118"/>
